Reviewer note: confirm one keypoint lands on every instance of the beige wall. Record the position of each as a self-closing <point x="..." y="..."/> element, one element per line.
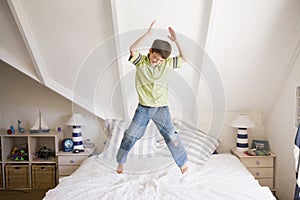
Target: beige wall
<point x="21" y="98"/>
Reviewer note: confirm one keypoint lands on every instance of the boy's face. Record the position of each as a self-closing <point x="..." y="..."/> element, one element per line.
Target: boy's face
<point x="155" y="58"/>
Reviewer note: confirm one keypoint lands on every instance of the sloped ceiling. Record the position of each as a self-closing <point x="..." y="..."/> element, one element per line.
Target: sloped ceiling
<point x="69" y="46"/>
<point x="13" y="50"/>
<point x="254" y="45"/>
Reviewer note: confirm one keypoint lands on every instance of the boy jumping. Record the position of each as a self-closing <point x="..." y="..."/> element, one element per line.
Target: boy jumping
<point x="151" y="84"/>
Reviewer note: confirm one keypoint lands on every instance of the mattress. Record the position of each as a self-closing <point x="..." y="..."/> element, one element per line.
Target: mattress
<point x="221" y="177"/>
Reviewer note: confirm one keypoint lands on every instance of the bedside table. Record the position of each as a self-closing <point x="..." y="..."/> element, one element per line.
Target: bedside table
<point x="261" y="167"/>
<point x="68" y="162"/>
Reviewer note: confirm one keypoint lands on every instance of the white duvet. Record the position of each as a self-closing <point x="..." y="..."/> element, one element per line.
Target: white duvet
<point x="222" y="177"/>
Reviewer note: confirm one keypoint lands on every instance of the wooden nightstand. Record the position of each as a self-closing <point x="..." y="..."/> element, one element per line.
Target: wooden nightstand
<point x="261" y="167"/>
<point x="68" y="162"/>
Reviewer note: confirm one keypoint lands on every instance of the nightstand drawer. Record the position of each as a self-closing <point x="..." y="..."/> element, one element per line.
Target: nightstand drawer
<point x="71" y="160"/>
<point x="257" y="162"/>
<point x="66" y="170"/>
<point x="261" y="172"/>
<point x="261" y="167"/>
<point x="266" y="182"/>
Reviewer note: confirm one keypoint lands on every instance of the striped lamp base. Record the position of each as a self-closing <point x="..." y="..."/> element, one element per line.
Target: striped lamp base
<point x="76" y="137"/>
<point x="242" y="140"/>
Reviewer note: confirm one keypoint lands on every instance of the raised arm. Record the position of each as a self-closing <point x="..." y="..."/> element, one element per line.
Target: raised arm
<point x="134" y="46"/>
<point x="173" y="38"/>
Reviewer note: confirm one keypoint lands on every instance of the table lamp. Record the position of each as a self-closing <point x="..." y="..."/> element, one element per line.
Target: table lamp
<point x="242" y="123"/>
<point x="76" y="121"/>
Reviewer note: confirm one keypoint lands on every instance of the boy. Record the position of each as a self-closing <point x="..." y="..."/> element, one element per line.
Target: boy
<point x="152" y="87"/>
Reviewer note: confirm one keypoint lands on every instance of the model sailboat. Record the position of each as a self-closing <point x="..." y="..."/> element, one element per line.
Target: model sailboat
<point x="39" y="126"/>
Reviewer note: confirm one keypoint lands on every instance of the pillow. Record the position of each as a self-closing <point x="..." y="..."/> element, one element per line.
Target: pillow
<point x="144" y="147"/>
<point x="198" y="145"/>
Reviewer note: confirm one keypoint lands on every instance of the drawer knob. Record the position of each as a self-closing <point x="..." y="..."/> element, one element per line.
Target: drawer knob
<point x="72" y="161"/>
<point x="257" y="162"/>
<point x="257" y="173"/>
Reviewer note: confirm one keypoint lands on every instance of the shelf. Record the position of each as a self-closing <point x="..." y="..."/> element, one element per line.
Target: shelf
<point x="33" y="143"/>
<point x="39" y="160"/>
<point x="16" y="162"/>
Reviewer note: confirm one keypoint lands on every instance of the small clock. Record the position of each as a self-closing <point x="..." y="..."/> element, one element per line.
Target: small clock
<point x="67" y="145"/>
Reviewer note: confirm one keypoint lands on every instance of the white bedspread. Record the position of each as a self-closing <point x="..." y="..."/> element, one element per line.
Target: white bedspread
<point x="222" y="177"/>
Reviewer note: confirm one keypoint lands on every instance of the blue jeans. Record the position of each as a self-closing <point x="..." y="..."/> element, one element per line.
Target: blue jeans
<point x="162" y="119"/>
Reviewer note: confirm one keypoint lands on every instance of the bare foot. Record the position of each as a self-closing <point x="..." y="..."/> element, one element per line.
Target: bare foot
<point x="120" y="169"/>
<point x="183" y="169"/>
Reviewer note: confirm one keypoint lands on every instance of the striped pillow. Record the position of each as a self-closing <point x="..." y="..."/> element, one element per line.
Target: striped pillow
<point x="145" y="147"/>
<point x="198" y="145"/>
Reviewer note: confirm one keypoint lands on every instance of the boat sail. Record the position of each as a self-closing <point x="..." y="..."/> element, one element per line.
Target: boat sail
<point x="39" y="126"/>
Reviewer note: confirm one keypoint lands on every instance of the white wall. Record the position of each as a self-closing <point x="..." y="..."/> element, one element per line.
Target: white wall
<point x="21" y="98"/>
<point x="190" y="20"/>
<point x="281" y="131"/>
<point x="248" y="41"/>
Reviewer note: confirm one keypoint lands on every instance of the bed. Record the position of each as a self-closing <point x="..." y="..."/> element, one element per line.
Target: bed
<point x="150" y="172"/>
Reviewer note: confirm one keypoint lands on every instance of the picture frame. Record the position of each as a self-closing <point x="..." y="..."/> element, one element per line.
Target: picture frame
<point x="260" y="145"/>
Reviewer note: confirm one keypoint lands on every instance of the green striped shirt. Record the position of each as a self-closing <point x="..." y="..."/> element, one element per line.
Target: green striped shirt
<point x="151" y="83"/>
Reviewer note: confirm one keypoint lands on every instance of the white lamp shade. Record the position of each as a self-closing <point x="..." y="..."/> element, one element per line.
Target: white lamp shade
<point x="76" y="120"/>
<point x="242" y="121"/>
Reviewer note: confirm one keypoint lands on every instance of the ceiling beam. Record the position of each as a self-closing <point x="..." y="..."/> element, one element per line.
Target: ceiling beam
<point x="12" y="60"/>
<point x="118" y="52"/>
<point x="28" y="37"/>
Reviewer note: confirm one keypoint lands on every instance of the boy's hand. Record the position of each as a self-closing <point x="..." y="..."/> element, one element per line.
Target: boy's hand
<point x="172" y="35"/>
<point x="134" y="46"/>
<point x="173" y="38"/>
<point x="151" y="25"/>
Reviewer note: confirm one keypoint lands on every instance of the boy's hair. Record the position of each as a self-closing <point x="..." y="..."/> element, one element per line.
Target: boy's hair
<point x="161" y="47"/>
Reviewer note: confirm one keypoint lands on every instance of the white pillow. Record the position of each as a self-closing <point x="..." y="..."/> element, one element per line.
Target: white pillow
<point x="198" y="145"/>
<point x="144" y="147"/>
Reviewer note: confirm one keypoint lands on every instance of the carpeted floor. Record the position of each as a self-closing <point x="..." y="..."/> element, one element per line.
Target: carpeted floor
<point x="22" y="194"/>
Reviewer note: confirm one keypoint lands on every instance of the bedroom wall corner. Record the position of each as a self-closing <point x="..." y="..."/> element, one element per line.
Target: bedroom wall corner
<point x="281" y="131"/>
